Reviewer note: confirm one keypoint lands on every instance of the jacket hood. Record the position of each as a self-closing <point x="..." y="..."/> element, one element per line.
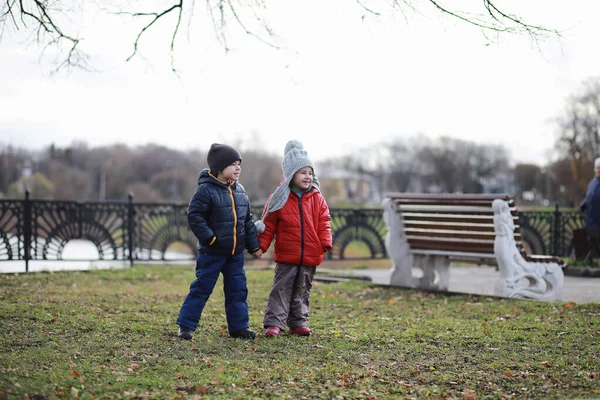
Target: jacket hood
<point x="207" y="177"/>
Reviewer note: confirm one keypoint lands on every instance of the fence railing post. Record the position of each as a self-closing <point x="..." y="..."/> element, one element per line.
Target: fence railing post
<point x="130" y="226"/>
<point x="27" y="229"/>
<point x="557" y="233"/>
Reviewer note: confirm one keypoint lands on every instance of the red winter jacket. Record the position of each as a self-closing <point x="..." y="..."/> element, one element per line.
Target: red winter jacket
<point x="302" y="230"/>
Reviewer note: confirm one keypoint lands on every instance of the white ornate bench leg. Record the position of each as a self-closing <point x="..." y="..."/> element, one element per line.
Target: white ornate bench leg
<point x="520" y="278"/>
<point x="397" y="246"/>
<point x="433" y="266"/>
<point x="442" y="267"/>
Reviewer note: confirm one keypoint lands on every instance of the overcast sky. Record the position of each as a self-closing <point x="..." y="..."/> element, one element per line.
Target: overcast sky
<point x="338" y="84"/>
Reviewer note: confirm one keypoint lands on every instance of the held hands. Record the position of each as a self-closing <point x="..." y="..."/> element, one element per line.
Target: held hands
<point x="258" y="253"/>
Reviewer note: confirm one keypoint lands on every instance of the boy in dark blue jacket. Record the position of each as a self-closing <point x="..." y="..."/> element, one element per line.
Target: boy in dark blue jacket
<point x="219" y="215"/>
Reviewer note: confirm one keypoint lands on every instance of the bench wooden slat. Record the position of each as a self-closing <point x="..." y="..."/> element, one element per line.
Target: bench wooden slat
<point x="436" y="216"/>
<point x="441" y="233"/>
<point x="452" y="225"/>
<point x="475" y="219"/>
<point x="458" y="203"/>
<point x="434" y="208"/>
<point x="449" y="244"/>
<point x="449" y="196"/>
<point x="417" y="241"/>
<point x="542" y="258"/>
<point x="457" y="255"/>
<point x="456" y="248"/>
<point x="414" y="226"/>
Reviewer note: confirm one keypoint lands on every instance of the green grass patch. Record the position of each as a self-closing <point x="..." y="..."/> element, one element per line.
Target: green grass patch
<point x="112" y="334"/>
<point x="357" y="249"/>
<point x="594" y="263"/>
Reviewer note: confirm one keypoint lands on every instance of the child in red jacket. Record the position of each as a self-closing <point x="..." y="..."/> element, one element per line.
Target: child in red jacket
<point x="297" y="215"/>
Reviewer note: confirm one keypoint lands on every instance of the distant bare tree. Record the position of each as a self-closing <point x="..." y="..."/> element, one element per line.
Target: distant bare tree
<point x="175" y="184"/>
<point x="566" y="188"/>
<point x="454" y="165"/>
<point x="397" y="160"/>
<point x="12" y="162"/>
<point x="579" y="131"/>
<point x="197" y="160"/>
<point x="527" y="177"/>
<point x="51" y="22"/>
<point x="144" y="192"/>
<point x="261" y="173"/>
<point x="69" y="183"/>
<point x="39" y="187"/>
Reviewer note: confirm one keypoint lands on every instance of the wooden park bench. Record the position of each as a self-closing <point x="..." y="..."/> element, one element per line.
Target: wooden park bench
<point x="428" y="231"/>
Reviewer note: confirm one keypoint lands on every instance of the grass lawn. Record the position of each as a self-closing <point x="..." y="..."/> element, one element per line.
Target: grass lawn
<point x="111" y="334"/>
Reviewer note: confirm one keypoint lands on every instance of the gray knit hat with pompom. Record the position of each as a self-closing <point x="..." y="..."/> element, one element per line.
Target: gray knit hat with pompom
<point x="294" y="159"/>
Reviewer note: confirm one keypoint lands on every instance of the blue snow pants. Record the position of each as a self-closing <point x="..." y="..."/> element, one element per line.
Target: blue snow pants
<point x="208" y="269"/>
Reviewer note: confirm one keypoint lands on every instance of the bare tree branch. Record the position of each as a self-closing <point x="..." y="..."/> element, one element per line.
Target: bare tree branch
<point x="218" y="23"/>
<point x="501" y="22"/>
<point x="237" y="18"/>
<point x="156" y="16"/>
<point x="173" y="40"/>
<point x="43" y="18"/>
<point x="367" y="9"/>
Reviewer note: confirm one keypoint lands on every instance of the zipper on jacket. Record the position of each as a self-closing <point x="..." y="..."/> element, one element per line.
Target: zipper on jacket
<point x="234" y="219"/>
<point x="301" y="231"/>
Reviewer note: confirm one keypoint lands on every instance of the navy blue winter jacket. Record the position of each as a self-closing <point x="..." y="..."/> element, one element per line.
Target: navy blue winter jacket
<point x="591" y="204"/>
<point x="219" y="215"/>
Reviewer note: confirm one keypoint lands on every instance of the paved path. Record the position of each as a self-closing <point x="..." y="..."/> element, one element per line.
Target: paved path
<point x="481" y="280"/>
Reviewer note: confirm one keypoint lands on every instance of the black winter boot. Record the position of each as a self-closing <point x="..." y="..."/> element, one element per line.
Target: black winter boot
<point x="243" y="334"/>
<point x="185" y="333"/>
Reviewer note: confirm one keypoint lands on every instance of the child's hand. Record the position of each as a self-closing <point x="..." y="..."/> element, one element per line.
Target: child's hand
<point x="258" y="253"/>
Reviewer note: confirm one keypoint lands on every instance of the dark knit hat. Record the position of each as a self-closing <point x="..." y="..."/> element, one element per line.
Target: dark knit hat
<point x="220" y="156"/>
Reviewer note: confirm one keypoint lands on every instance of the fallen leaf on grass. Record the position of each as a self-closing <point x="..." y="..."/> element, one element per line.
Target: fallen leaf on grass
<point x="187" y="389"/>
<point x="468" y="394"/>
<point x="202" y="389"/>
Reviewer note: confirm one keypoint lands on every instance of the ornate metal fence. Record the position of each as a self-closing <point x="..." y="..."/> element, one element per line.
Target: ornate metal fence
<point x="128" y="231"/>
<point x="550" y="232"/>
